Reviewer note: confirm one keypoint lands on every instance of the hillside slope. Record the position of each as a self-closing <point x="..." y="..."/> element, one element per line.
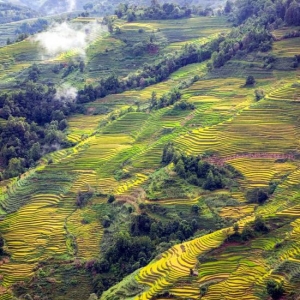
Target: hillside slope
<point x="128" y="211"/>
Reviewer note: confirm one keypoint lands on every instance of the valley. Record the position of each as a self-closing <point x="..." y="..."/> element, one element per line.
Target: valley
<point x="67" y="219"/>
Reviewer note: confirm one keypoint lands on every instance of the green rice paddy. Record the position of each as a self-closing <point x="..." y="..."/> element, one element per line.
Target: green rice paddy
<point x="44" y="222"/>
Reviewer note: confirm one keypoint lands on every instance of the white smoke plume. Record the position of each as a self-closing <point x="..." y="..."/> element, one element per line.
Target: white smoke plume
<point x="65" y="37"/>
<point x="71" y="5"/>
<point x="66" y="93"/>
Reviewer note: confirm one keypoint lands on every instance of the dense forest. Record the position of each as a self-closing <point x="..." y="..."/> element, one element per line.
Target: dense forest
<point x="35" y="121"/>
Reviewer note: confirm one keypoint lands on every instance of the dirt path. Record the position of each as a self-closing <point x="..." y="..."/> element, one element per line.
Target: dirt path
<point x="138" y="195"/>
<point x="220" y="161"/>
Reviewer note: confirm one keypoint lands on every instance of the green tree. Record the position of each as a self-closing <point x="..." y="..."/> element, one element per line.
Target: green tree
<point x="131" y="16"/>
<point x="247" y="233"/>
<point x="168" y="154"/>
<point x="210" y="183"/>
<point x="35" y="152"/>
<point x="15" y="166"/>
<point x="275" y="289"/>
<point x="1" y="245"/>
<point x="236" y="228"/>
<point x="179" y="169"/>
<point x="228" y="7"/>
<point x="81" y="66"/>
<point x="250" y="80"/>
<point x="110" y="26"/>
<point x="111" y="198"/>
<point x="256" y="195"/>
<point x="259" y="94"/>
<point x="195" y="209"/>
<point x="260" y="225"/>
<point x="203" y="168"/>
<point x="63" y="124"/>
<point x="153" y="100"/>
<point x="292" y="15"/>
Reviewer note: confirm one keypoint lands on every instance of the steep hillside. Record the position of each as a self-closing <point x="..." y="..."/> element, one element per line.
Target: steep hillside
<point x="11" y="13"/>
<point x="180" y="179"/>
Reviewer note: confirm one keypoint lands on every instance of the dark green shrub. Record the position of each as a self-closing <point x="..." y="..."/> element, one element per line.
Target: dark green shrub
<point x="111" y="198"/>
<point x="275" y="289"/>
<point x="257" y="195"/>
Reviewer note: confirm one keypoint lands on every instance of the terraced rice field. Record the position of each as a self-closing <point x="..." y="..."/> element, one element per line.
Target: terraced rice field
<point x="260" y="172"/>
<point x="44" y="222"/>
<point x="106" y="56"/>
<point x="286" y="48"/>
<point x="87" y="234"/>
<point x="279" y="33"/>
<point x="174" y="264"/>
<point x="190" y="29"/>
<point x="36" y="232"/>
<point x="272" y="132"/>
<point x="79" y="127"/>
<point x="15" y="58"/>
<point x="264" y="137"/>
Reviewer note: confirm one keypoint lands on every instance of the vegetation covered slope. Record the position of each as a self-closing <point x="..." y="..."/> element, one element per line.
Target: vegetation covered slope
<point x="12" y="13"/>
<point x="144" y="190"/>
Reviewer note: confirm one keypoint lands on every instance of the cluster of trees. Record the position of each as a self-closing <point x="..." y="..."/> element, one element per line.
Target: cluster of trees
<point x="257" y="196"/>
<point x="125" y="256"/>
<point x="197" y="171"/>
<point x="141" y="48"/>
<point x="143" y="225"/>
<point x="69" y="68"/>
<point x="153" y="12"/>
<point x="291" y="34"/>
<point x="28" y="28"/>
<point x="240" y="41"/>
<point x="250" y="230"/>
<point x="20" y="38"/>
<point x="83" y="198"/>
<point x="35" y="121"/>
<point x="275" y="289"/>
<point x="133" y="250"/>
<point x="268" y="12"/>
<point x="32" y="27"/>
<point x="11" y="13"/>
<point x="165" y="100"/>
<point x="184" y="105"/>
<point x="251" y="36"/>
<point x="257" y="18"/>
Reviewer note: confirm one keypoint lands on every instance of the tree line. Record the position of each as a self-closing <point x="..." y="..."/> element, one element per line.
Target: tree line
<point x="269" y="13"/>
<point x="153" y="12"/>
<point x="35" y="122"/>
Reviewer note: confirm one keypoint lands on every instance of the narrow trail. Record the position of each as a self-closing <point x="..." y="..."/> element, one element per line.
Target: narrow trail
<point x="220" y="161"/>
<point x="130" y="200"/>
